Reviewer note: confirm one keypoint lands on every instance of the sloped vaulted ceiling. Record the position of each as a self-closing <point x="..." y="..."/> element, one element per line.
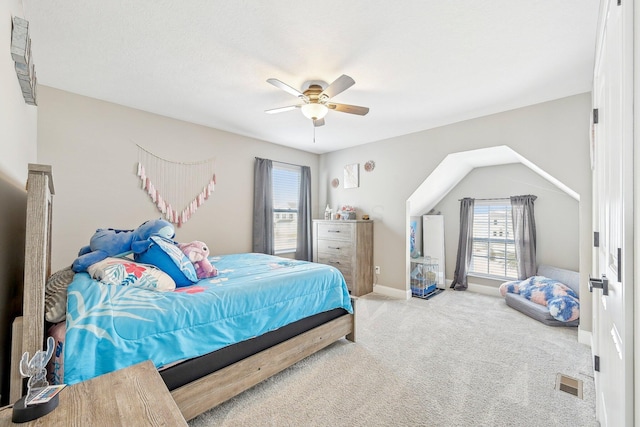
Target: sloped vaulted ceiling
<point x="456" y="166"/>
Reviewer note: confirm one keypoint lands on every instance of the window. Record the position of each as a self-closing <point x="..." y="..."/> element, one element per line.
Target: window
<point x="494" y="251"/>
<point x="286" y="196"/>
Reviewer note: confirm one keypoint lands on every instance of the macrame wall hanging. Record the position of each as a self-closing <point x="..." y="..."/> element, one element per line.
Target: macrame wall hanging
<point x="178" y="189"/>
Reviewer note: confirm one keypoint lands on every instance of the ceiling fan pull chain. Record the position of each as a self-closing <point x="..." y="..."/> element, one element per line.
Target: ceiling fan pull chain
<point x="314" y="134"/>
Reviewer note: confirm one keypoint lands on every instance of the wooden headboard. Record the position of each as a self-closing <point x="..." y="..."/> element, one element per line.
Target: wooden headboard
<point x="28" y="330"/>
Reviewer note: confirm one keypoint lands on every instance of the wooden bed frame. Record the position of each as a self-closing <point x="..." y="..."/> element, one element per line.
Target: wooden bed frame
<point x="28" y="333"/>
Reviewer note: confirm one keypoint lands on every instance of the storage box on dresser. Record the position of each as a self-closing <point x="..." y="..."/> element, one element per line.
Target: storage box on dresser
<point x="348" y="246"/>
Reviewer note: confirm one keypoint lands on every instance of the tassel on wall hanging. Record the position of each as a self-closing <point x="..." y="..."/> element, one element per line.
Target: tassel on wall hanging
<point x="178" y="189"/>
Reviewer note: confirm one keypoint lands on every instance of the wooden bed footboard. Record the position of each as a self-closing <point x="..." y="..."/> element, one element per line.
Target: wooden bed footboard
<point x="217" y="387"/>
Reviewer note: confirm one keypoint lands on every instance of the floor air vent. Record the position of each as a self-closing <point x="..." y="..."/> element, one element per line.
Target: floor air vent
<point x="569" y="385"/>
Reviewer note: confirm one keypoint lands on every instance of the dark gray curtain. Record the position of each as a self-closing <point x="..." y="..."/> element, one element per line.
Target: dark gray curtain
<point x="304" y="244"/>
<point x="263" y="240"/>
<point x="524" y="231"/>
<point x="465" y="245"/>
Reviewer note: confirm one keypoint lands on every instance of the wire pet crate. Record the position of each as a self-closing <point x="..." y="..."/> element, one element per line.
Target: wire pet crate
<point x="424" y="277"/>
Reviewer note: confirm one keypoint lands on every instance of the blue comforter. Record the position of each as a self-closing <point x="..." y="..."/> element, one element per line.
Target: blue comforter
<point x="112" y="327"/>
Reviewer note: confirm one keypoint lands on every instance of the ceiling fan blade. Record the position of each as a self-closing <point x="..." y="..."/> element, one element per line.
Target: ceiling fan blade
<point x="319" y="122"/>
<point x="339" y="85"/>
<point x="282" y="109"/>
<point x="351" y="109"/>
<point x="285" y="87"/>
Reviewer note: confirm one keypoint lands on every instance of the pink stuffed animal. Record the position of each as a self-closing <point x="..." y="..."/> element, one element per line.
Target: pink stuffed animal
<point x="197" y="252"/>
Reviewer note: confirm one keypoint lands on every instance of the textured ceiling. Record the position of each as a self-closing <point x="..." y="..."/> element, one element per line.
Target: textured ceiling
<point x="417" y="64"/>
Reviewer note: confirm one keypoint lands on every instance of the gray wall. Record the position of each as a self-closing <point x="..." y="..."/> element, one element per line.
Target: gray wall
<point x="17" y="119"/>
<point x="556" y="213"/>
<point x="17" y="150"/>
<point x="552" y="135"/>
<point x="91" y="146"/>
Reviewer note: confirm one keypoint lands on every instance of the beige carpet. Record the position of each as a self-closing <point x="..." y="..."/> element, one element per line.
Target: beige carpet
<point x="458" y="359"/>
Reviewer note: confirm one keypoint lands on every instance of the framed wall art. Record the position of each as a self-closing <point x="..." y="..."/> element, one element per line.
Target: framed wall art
<point x="351" y="176"/>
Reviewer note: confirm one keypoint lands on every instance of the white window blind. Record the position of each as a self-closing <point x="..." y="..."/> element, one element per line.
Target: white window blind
<point x="494" y="252"/>
<point x="286" y="196"/>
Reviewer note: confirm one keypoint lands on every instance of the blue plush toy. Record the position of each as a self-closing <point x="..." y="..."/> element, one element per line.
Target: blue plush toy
<point x="107" y="242"/>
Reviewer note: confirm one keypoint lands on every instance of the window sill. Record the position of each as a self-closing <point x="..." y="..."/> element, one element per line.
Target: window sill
<point x="490" y="277"/>
<point x="286" y="254"/>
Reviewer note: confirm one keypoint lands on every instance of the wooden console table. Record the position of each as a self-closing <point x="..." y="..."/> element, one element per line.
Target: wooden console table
<point x="131" y="396"/>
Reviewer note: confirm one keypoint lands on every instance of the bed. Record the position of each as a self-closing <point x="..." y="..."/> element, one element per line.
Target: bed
<point x="202" y="366"/>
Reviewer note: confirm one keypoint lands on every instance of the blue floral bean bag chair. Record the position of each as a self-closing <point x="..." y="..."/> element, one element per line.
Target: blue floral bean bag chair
<point x="562" y="301"/>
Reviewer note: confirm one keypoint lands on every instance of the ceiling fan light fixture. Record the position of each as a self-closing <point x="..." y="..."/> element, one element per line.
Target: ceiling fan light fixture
<point x="314" y="111"/>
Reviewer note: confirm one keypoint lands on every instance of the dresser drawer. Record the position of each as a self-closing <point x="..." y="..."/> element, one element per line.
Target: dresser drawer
<point x="335" y="231"/>
<point x="341" y="263"/>
<point x="342" y="248"/>
<point x="344" y="266"/>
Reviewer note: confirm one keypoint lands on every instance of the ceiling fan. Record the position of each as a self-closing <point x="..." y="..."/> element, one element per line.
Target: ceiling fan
<point x="316" y="97"/>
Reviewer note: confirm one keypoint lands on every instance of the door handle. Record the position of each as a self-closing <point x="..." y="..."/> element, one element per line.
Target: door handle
<point x="599" y="284"/>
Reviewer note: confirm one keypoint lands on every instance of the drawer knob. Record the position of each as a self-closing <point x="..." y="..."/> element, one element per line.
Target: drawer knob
<point x="334" y="262"/>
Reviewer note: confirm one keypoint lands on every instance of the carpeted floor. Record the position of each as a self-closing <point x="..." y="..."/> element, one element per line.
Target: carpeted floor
<point x="458" y="359"/>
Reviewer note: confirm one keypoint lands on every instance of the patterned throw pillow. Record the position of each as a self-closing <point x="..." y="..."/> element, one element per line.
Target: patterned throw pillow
<point x="168" y="257"/>
<point x="564" y="308"/>
<point x="126" y="272"/>
<point x="55" y="295"/>
<point x="541" y="290"/>
<point x="510" y="287"/>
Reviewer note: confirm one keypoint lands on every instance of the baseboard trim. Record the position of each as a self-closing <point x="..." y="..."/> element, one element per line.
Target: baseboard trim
<point x="483" y="289"/>
<point x="392" y="292"/>
<point x="585" y="337"/>
<point x="406" y="294"/>
<point x="480" y="289"/>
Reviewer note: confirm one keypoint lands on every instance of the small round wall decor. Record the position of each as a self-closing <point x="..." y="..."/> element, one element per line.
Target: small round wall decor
<point x="335" y="182"/>
<point x="370" y="165"/>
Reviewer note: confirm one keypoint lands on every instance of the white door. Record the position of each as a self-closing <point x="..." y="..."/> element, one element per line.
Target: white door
<point x="613" y="215"/>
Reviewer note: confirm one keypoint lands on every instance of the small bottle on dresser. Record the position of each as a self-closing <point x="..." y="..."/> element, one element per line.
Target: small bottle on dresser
<point x="327" y="213"/>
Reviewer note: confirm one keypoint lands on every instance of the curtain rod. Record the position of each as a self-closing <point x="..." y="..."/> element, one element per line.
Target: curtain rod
<point x="495" y="198"/>
<point x="278" y="161"/>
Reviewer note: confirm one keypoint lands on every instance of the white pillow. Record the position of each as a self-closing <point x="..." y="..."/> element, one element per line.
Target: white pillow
<point x="126" y="272"/>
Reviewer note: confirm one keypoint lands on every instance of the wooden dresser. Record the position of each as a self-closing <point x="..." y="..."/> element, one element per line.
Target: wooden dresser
<point x="348" y="246"/>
